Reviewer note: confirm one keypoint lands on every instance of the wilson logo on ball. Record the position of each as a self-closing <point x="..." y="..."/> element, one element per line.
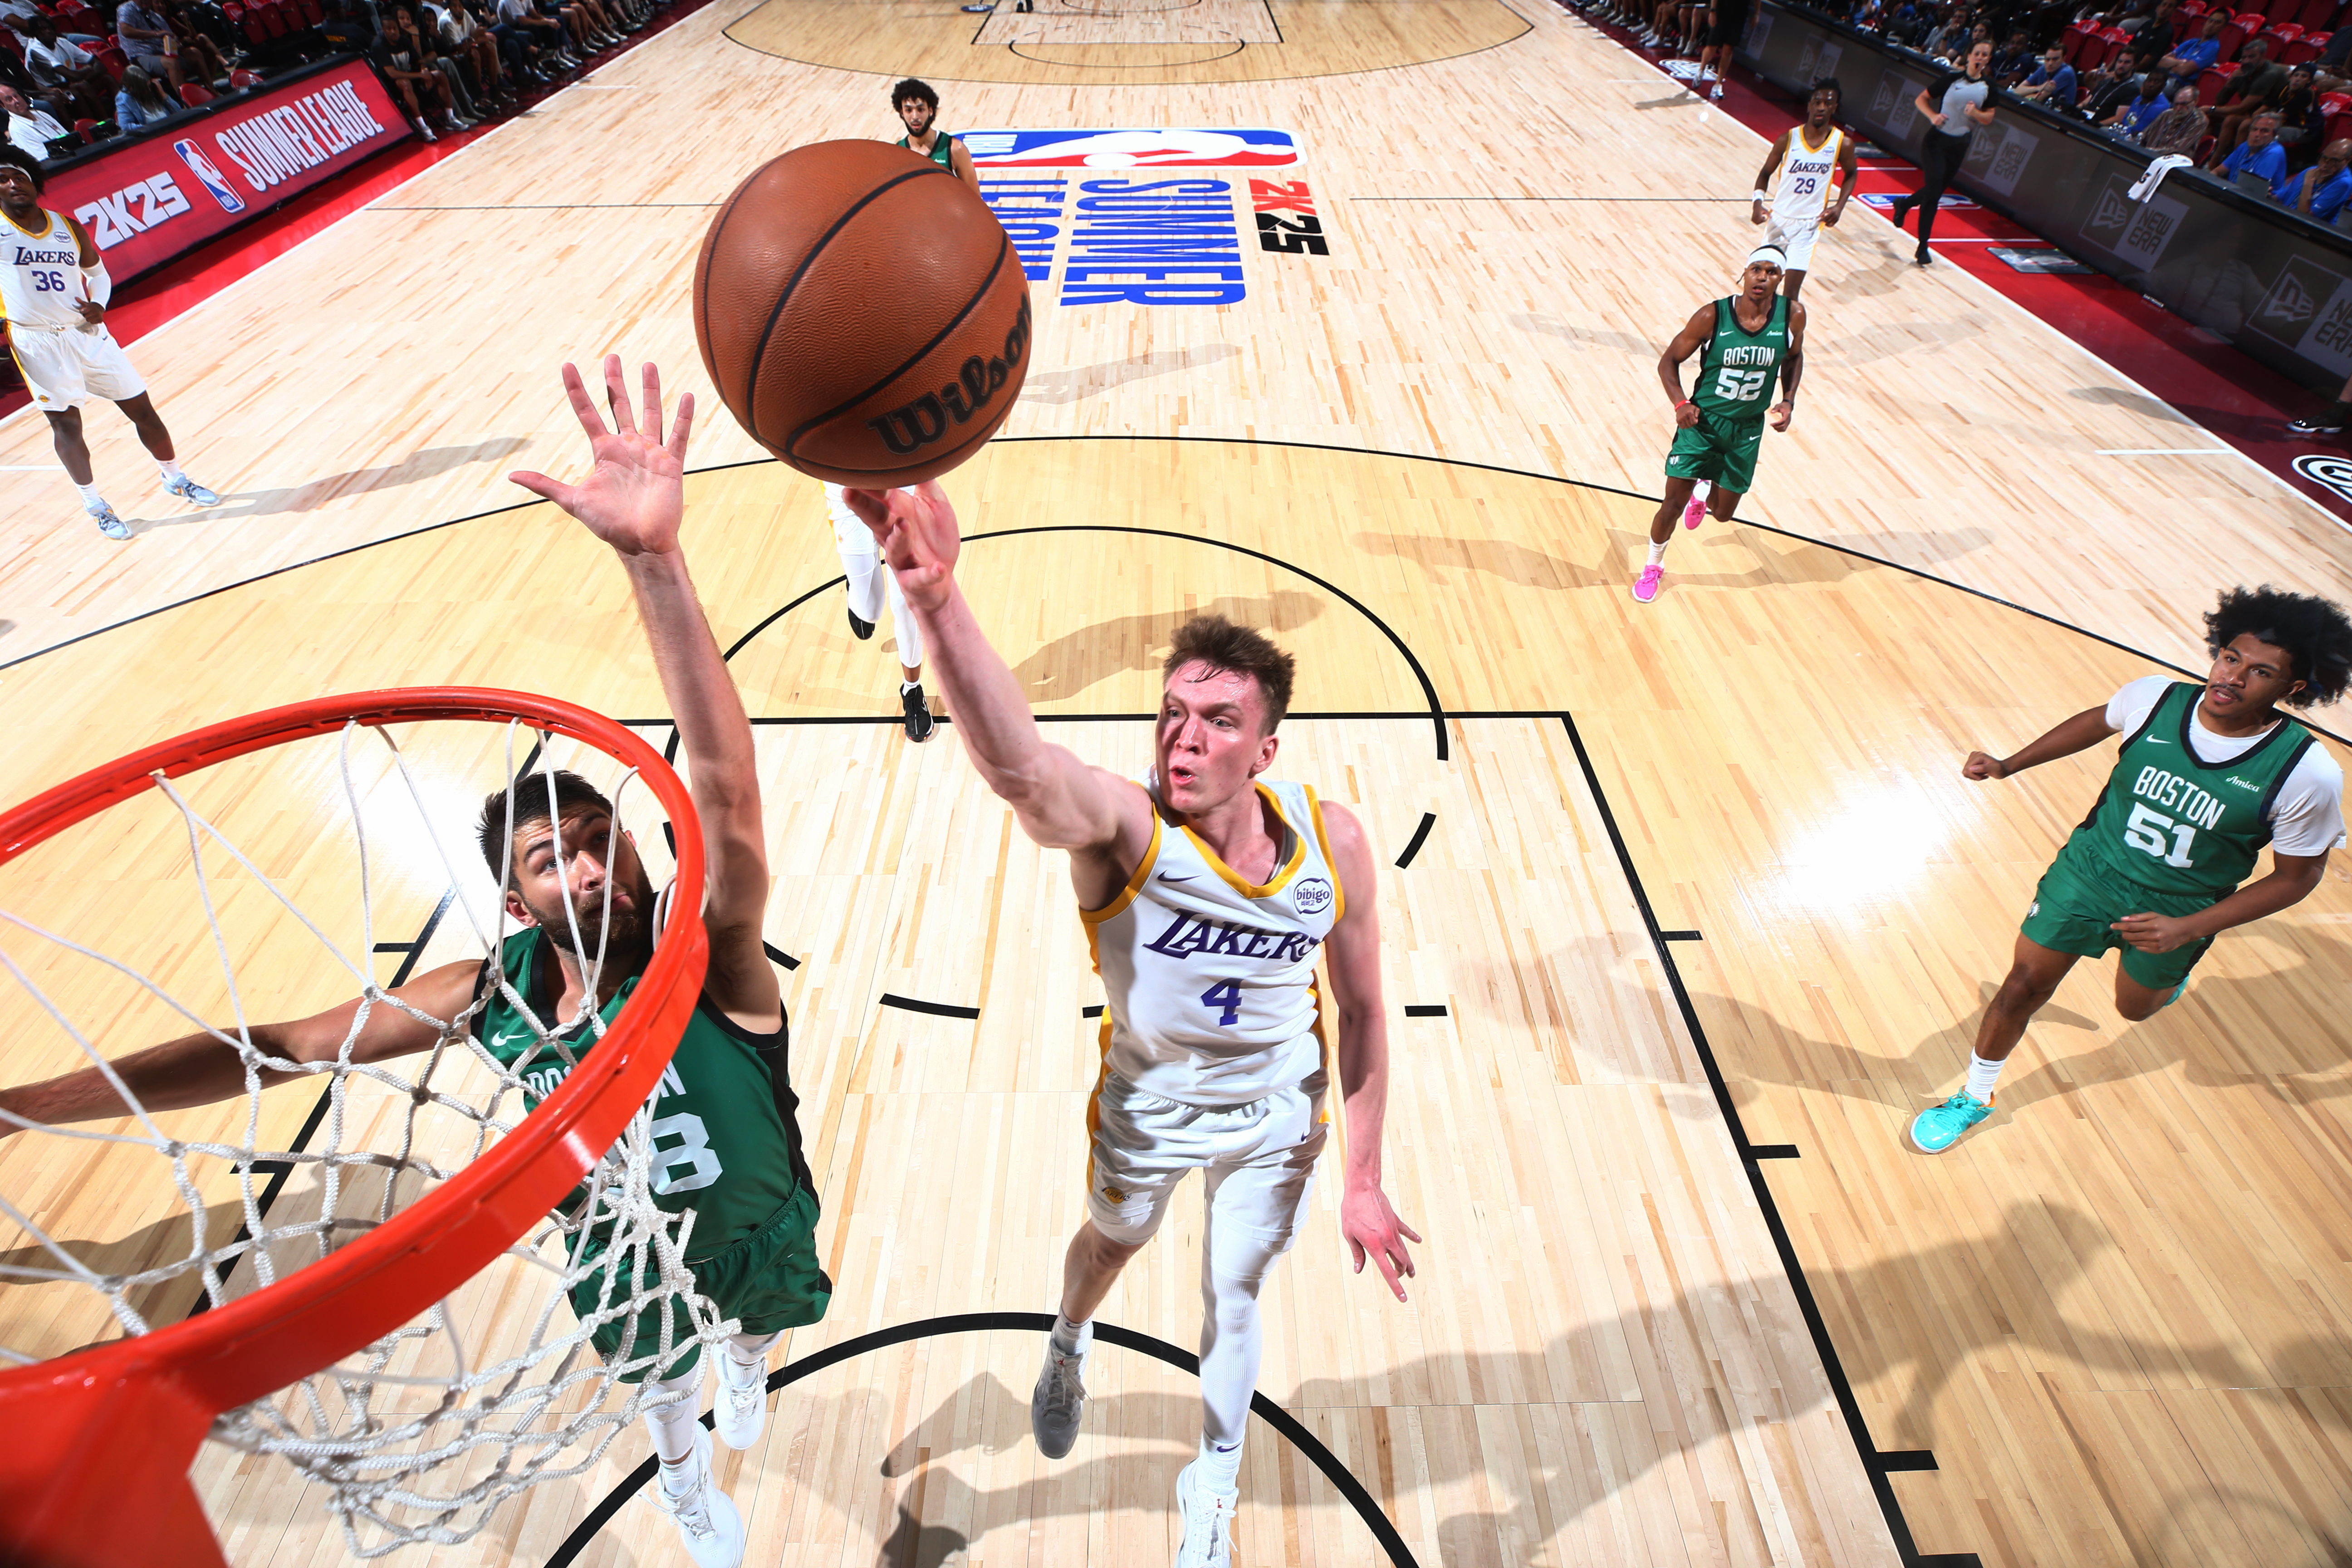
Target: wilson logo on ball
<point x="912" y="427"/>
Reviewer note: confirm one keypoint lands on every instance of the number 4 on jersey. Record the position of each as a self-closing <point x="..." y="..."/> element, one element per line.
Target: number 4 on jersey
<point x="1226" y="996"/>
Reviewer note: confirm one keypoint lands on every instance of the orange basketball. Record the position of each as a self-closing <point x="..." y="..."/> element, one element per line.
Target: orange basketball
<point x="862" y="314"/>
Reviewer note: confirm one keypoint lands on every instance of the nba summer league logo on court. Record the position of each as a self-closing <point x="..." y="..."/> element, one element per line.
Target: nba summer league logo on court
<point x="1155" y="224"/>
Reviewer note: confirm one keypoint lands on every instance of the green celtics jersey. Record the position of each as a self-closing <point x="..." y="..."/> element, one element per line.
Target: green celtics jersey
<point x="2175" y="825"/>
<point x="942" y="150"/>
<point x="726" y="1125"/>
<point x="1736" y="368"/>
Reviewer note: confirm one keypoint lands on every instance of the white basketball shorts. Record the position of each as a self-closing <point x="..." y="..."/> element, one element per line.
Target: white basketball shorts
<point x="1796" y="242"/>
<point x="1258" y="1160"/>
<point x="65" y="367"/>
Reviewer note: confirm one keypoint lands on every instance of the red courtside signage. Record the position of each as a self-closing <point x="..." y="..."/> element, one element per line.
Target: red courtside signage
<point x="154" y="199"/>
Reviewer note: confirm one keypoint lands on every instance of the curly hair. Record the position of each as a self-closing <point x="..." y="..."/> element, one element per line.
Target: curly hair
<point x="531" y="808"/>
<point x="11" y="153"/>
<point x="2314" y="631"/>
<point x="922" y="91"/>
<point x="1239" y="651"/>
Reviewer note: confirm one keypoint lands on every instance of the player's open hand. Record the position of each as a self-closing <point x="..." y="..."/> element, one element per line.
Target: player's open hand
<point x="919" y="535"/>
<point x="1981" y="766"/>
<point x="2154" y="933"/>
<point x="1371" y="1227"/>
<point x="635" y="496"/>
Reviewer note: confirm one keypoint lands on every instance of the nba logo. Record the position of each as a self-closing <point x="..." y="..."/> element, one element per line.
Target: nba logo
<point x="212" y="179"/>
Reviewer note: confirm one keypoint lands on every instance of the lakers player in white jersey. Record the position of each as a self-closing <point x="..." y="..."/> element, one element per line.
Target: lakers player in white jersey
<point x="53" y="295"/>
<point x="1207" y="894"/>
<point x="1805" y="155"/>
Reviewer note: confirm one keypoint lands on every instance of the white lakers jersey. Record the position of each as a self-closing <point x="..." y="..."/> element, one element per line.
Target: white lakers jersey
<point x="1211" y="979"/>
<point x="1805" y="180"/>
<point x="40" y="274"/>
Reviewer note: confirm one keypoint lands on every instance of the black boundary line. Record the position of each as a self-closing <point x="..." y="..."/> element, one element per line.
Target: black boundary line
<point x="1367" y="1508"/>
<point x="936" y="1009"/>
<point x="1873" y="1461"/>
<point x="1424" y="1010"/>
<point x="1680" y="936"/>
<point x="1428" y="818"/>
<point x="1213" y="441"/>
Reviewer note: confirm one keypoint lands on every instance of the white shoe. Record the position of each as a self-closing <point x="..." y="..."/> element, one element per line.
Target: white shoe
<point x="706" y="1517"/>
<point x="743" y="1405"/>
<point x="1208" y="1518"/>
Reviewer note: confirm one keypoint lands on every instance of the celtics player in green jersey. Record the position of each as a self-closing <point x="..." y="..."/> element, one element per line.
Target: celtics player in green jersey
<point x="2208" y="774"/>
<point x="918" y="103"/>
<point x="1744" y="342"/>
<point x="727" y="1143"/>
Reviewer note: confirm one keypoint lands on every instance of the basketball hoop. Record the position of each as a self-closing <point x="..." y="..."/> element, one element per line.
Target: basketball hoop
<point x="95" y="1470"/>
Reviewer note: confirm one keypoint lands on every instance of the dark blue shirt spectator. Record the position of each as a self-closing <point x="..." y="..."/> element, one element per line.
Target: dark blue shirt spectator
<point x="2051" y="85"/>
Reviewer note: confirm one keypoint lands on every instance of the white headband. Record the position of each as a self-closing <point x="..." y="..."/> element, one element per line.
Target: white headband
<point x="1772" y="252"/>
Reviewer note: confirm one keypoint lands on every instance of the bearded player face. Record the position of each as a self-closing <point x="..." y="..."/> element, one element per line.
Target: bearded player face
<point x="584" y="859"/>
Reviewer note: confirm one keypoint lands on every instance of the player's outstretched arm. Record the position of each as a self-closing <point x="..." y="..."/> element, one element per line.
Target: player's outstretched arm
<point x="199" y="1069"/>
<point x="1353" y="951"/>
<point x="634" y="500"/>
<point x="2080" y="733"/>
<point x="1063" y="803"/>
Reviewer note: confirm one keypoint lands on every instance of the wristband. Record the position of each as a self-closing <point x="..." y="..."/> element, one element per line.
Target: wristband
<point x="1685" y="403"/>
<point x="1757" y="198"/>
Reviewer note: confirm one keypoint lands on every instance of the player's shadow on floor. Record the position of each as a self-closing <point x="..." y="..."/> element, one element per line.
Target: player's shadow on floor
<point x="1077" y="661"/>
<point x="150" y="1247"/>
<point x="1081" y="382"/>
<point x="1596" y="1446"/>
<point x="2262" y="1032"/>
<point x="238" y="506"/>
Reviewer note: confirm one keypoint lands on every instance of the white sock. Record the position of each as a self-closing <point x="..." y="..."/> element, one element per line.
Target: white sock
<point x="1072" y="1339"/>
<point x="1699" y="491"/>
<point x="170" y="467"/>
<point x="906" y="686"/>
<point x="1222" y="1464"/>
<point x="751" y="1350"/>
<point x="673" y="1424"/>
<point x="1658" y="552"/>
<point x="89" y="496"/>
<point x="1982" y="1076"/>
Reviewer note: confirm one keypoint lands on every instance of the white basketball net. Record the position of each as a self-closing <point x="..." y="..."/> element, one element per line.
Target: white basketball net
<point x="420" y="1436"/>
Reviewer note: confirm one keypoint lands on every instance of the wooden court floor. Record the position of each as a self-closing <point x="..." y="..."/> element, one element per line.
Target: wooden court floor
<point x="1726" y="828"/>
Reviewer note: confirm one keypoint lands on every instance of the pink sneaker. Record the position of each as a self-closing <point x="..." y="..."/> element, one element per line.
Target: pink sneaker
<point x="1646" y="586"/>
<point x="1695" y="513"/>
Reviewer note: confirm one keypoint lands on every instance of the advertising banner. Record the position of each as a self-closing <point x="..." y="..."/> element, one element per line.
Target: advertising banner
<point x="151" y="199"/>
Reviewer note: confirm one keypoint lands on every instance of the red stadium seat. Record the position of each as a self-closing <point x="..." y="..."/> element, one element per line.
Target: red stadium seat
<point x="2310" y="47"/>
<point x="87" y="130"/>
<point x="114" y="61"/>
<point x="194" y="95"/>
<point x="254" y="33"/>
<point x="244" y="80"/>
<point x="2209" y="85"/>
<point x="2316" y="15"/>
<point x="2332" y="104"/>
<point x="273" y="21"/>
<point x="312" y="14"/>
<point x="2111" y="41"/>
<point x="2281" y="34"/>
<point x="2077" y="35"/>
<point x="2338" y="127"/>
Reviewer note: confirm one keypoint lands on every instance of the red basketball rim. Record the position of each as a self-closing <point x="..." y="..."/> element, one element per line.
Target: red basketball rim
<point x="95" y="1470"/>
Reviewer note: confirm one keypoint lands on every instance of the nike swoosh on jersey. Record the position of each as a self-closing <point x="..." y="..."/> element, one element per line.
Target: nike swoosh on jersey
<point x="1166" y="878"/>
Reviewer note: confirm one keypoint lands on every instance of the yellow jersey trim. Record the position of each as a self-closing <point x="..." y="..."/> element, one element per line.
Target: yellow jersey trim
<point x="1282" y="873"/>
<point x="1134" y="883"/>
<point x="1323" y="846"/>
<point x="50" y="221"/>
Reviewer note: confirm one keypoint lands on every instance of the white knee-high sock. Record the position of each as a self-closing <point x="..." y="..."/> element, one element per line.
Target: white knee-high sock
<point x="902" y="624"/>
<point x="751" y="1350"/>
<point x="1232" y="1343"/>
<point x="672" y="1424"/>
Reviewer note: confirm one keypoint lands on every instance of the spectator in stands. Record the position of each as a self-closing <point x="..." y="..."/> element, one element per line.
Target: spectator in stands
<point x="201" y="59"/>
<point x="2154" y="25"/>
<point x="58" y="68"/>
<point x="2130" y="120"/>
<point x="462" y="38"/>
<point x="138" y="102"/>
<point x="2110" y="86"/>
<point x="423" y="90"/>
<point x="2013" y="60"/>
<point x="2259" y="154"/>
<point x="17" y="16"/>
<point x="404" y="34"/>
<point x="2255" y="86"/>
<point x="2321" y="191"/>
<point x="514" y="52"/>
<point x="2178" y="130"/>
<point x="2300" y="121"/>
<point x="347" y="29"/>
<point x="544" y="33"/>
<point x="30" y="129"/>
<point x="2331" y="69"/>
<point x="143" y="33"/>
<point x="2189" y="60"/>
<point x="1947" y="37"/>
<point x="2051" y="85"/>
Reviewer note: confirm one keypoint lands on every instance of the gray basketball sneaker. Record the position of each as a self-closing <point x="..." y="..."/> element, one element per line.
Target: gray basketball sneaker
<point x="1059" y="1401"/>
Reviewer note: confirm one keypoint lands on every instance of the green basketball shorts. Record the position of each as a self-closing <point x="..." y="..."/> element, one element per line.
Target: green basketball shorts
<point x="1722" y="453"/>
<point x="2079" y="899"/>
<point x="771" y="1281"/>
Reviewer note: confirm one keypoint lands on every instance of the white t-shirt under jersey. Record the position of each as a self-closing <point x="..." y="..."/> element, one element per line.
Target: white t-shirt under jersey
<point x="2306" y="817"/>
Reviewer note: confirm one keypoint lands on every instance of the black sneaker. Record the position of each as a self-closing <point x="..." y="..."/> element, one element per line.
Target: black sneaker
<point x="1923" y="257"/>
<point x="920" y="722"/>
<point x="2317" y="424"/>
<point x="863" y="629"/>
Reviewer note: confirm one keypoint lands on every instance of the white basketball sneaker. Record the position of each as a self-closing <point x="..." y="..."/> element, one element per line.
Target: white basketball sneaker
<point x="743" y="1405"/>
<point x="1208" y="1518"/>
<point x="706" y="1517"/>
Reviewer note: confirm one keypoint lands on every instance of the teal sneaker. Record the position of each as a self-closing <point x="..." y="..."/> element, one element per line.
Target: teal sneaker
<point x="187" y="489"/>
<point x="1939" y="1127"/>
<point x="2175" y="995"/>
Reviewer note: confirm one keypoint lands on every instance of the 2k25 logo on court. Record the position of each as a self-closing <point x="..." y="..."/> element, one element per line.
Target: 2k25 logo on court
<point x="134" y="209"/>
<point x="1286" y="221"/>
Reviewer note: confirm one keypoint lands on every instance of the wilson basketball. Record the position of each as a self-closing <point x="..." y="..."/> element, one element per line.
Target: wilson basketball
<point x="862" y="314"/>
